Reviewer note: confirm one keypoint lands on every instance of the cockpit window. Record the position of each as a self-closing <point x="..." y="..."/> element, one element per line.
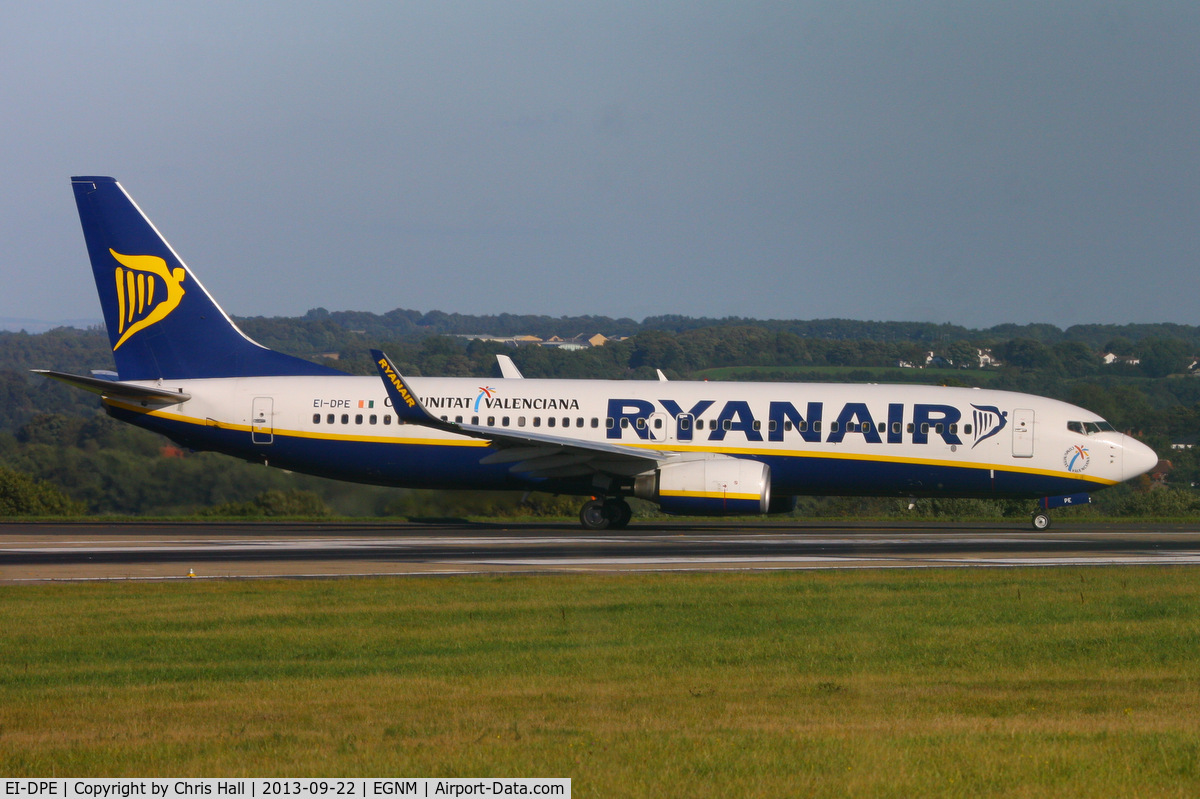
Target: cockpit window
<point x="1089" y="428"/>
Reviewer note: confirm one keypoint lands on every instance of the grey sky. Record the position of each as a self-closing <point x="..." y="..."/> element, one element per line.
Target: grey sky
<point x="970" y="162"/>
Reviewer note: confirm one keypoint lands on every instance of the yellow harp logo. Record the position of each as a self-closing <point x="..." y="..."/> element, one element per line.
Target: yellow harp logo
<point x="143" y="278"/>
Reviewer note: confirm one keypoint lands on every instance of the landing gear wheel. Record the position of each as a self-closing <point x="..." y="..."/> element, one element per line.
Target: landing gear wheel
<point x="619" y="513"/>
<point x="1041" y="521"/>
<point x="594" y="516"/>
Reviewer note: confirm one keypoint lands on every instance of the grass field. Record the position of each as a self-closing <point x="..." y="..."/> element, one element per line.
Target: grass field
<point x="1044" y="682"/>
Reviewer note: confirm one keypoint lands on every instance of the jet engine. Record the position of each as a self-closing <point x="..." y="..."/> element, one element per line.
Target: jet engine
<point x="710" y="487"/>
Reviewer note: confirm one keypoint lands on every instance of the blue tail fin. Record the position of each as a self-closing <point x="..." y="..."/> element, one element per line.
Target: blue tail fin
<point x="161" y="322"/>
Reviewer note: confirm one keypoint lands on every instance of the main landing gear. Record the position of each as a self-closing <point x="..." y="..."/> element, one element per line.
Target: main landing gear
<point x="612" y="513"/>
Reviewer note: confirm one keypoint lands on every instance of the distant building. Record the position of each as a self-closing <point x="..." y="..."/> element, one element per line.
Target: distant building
<point x="935" y="361"/>
<point x="579" y="342"/>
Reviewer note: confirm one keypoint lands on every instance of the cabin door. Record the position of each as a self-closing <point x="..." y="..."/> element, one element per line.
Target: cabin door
<point x="262" y="430"/>
<point x="1022" y="433"/>
<point x="660" y="427"/>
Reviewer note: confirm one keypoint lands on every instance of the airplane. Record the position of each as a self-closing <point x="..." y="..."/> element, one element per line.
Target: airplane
<point x="184" y="369"/>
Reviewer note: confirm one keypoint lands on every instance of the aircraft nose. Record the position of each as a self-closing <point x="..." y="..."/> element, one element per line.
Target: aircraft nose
<point x="1137" y="458"/>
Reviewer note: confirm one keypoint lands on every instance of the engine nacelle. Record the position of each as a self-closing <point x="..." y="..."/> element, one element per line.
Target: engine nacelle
<point x="713" y="487"/>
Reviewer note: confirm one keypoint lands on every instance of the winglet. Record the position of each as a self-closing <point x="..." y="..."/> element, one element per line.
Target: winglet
<point x="405" y="401"/>
<point x="508" y="369"/>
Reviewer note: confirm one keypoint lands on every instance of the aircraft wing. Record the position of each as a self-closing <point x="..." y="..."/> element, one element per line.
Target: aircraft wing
<point x="118" y="390"/>
<point x="532" y="454"/>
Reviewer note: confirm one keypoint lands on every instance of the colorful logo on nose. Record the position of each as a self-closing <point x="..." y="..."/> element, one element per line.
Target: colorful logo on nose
<point x="1076" y="459"/>
<point x="147" y="292"/>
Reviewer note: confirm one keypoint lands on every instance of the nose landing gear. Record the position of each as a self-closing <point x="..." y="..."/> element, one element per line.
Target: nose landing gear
<point x="1041" y="516"/>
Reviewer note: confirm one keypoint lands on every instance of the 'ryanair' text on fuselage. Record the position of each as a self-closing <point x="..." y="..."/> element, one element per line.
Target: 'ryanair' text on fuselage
<point x="896" y="424"/>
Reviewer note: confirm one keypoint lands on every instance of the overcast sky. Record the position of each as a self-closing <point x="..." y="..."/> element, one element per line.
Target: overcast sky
<point x="968" y="162"/>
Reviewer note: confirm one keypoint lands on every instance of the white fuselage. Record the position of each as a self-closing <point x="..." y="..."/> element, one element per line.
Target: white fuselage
<point x="817" y="438"/>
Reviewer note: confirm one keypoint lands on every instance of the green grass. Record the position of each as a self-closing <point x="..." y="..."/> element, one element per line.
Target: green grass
<point x="898" y="683"/>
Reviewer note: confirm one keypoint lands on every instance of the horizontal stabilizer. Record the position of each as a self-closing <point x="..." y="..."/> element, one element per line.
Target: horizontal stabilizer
<point x="118" y="390"/>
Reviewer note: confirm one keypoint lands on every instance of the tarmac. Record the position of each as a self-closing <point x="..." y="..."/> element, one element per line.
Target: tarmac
<point x="43" y="552"/>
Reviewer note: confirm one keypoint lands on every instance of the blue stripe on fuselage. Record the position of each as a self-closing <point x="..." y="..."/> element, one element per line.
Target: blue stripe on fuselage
<point x="430" y="464"/>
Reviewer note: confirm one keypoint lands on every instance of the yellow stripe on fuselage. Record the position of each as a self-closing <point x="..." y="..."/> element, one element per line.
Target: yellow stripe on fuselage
<point x="653" y="446"/>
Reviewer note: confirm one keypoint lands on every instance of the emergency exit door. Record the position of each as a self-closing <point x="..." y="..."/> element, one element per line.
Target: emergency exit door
<point x="1022" y="441"/>
<point x="262" y="430"/>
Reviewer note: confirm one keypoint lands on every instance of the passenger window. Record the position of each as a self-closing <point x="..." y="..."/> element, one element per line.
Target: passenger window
<point x="938" y="428"/>
<point x="727" y="424"/>
<point x="787" y="425"/>
<point x="641" y="423"/>
<point x="834" y="427"/>
<point x="579" y="422"/>
<point x="537" y="421"/>
<point x="757" y="425"/>
<point x="924" y="428"/>
<point x="550" y="421"/>
<point x="595" y="421"/>
<point x="504" y="422"/>
<point x="520" y="421"/>
<point x="866" y="427"/>
<point x="816" y="426"/>
<point x="316" y="418"/>
<point x="624" y="422"/>
<point x="387" y="418"/>
<point x="375" y="419"/>
<point x="967" y="429"/>
<point x="896" y="428"/>
<point x="491" y="421"/>
<point x="658" y="424"/>
<point x="712" y="424"/>
<point x="911" y="428"/>
<point x="609" y="424"/>
<point x="953" y="429"/>
<point x="771" y="425"/>
<point x="685" y="423"/>
<point x="566" y="421"/>
<point x="882" y="427"/>
<point x="474" y="420"/>
<point x="457" y="420"/>
<point x="329" y="419"/>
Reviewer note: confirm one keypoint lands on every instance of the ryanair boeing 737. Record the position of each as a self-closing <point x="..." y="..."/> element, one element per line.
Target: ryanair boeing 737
<point x="185" y="370"/>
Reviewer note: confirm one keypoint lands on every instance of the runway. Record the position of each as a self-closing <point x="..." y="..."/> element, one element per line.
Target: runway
<point x="31" y="552"/>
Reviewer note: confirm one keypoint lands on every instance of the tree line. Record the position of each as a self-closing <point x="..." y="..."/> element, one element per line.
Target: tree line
<point x="59" y="439"/>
